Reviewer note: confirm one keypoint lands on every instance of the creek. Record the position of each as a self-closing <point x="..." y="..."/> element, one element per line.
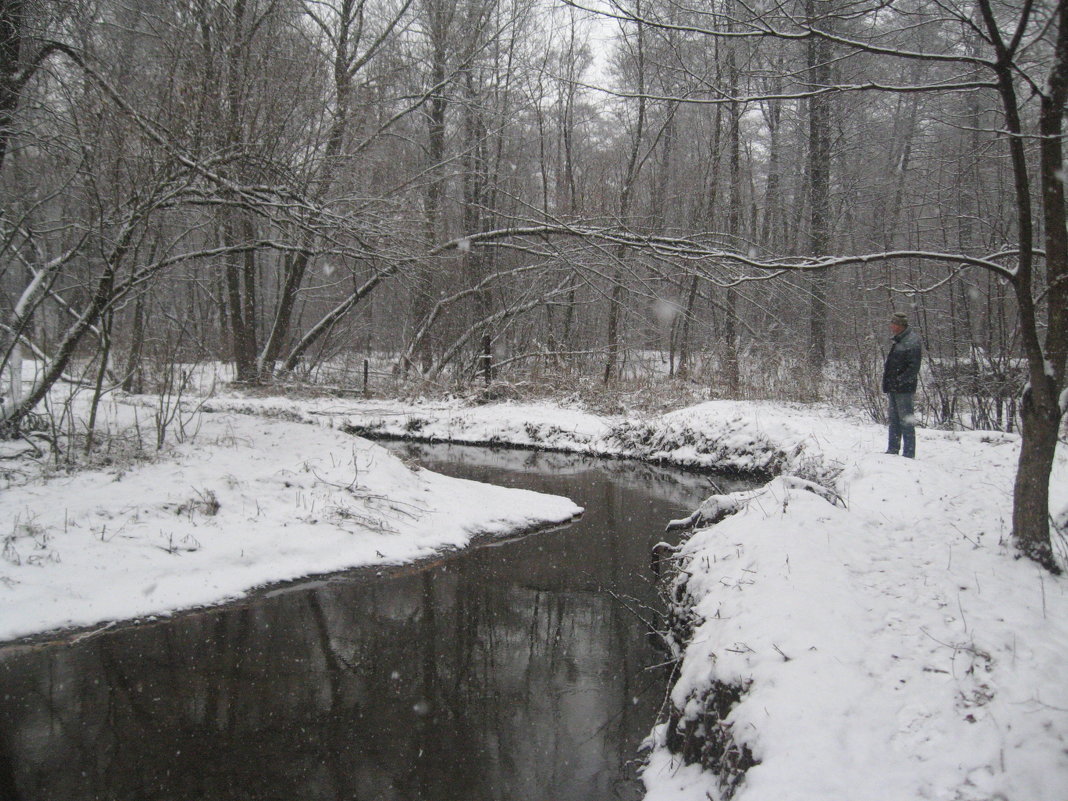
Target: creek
<point x="522" y="670"/>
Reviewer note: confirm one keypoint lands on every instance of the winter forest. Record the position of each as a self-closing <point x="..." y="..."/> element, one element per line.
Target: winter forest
<point x="449" y="192"/>
<point x="487" y="399"/>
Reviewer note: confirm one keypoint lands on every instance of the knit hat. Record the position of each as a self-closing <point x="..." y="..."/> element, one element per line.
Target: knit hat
<point x="899" y="319"/>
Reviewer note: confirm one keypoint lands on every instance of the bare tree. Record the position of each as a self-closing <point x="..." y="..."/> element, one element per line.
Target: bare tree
<point x="1026" y="46"/>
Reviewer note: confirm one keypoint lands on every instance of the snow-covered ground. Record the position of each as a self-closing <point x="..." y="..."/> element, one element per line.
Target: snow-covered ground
<point x="249" y="502"/>
<point x="891" y="649"/>
<point x="887" y="643"/>
<point x="883" y="639"/>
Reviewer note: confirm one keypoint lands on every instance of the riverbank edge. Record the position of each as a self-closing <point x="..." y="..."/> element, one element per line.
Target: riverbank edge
<point x="491" y="444"/>
<point x="707" y="740"/>
<point x="480" y="533"/>
<point x="363" y="574"/>
<point x="735" y="446"/>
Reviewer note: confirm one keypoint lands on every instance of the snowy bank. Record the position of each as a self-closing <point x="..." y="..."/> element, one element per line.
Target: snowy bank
<point x="746" y="437"/>
<point x="251" y="501"/>
<point x="891" y="649"/>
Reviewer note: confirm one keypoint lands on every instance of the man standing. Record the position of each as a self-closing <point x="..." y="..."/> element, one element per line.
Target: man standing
<point x="900" y="372"/>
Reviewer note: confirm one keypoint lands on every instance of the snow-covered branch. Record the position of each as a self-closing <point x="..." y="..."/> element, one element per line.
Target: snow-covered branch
<point x="695" y="97"/>
<point x="689" y="249"/>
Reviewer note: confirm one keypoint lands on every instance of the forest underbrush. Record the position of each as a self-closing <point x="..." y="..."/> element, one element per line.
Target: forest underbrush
<point x="953" y="395"/>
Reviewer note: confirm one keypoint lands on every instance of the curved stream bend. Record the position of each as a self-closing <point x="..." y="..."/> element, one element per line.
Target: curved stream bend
<point x="511" y="673"/>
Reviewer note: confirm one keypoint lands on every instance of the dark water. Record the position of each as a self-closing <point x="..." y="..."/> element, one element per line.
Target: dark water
<point x="510" y="673"/>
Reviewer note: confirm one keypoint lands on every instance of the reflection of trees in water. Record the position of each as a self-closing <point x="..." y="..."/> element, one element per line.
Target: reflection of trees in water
<point x="667" y="482"/>
<point x="506" y="673"/>
<point x="442" y="687"/>
<point x="8" y="786"/>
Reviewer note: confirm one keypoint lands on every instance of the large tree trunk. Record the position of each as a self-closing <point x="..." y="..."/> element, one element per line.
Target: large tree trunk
<point x="1030" y="508"/>
<point x="1041" y="411"/>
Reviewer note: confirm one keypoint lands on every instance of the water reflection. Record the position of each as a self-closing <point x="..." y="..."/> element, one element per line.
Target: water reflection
<point x="510" y="672"/>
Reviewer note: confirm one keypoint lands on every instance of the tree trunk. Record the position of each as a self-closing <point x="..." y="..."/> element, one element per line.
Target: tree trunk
<point x="819" y="161"/>
<point x="1040" y="411"/>
<point x="630" y="176"/>
<point x="240" y="306"/>
<point x="734" y="228"/>
<point x="240" y="272"/>
<point x="771" y="225"/>
<point x="296" y="265"/>
<point x="102" y="296"/>
<point x="11" y="16"/>
<point x="132" y="379"/>
<point x="439" y="24"/>
<point x="615" y="305"/>
<point x="684" y="336"/>
<point x="14" y="376"/>
<point x="476" y="205"/>
<point x="1038" y="443"/>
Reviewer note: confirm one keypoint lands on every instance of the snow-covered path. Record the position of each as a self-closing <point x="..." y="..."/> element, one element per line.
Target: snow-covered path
<point x="901" y="658"/>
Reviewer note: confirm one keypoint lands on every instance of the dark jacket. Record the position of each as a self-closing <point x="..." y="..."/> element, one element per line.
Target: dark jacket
<point x="902" y="366"/>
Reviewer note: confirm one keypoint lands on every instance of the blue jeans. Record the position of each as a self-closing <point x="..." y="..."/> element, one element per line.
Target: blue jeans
<point x="902" y="423"/>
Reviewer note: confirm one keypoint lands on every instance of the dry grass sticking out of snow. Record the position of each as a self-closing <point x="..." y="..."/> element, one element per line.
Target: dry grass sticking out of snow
<point x="252" y="501"/>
